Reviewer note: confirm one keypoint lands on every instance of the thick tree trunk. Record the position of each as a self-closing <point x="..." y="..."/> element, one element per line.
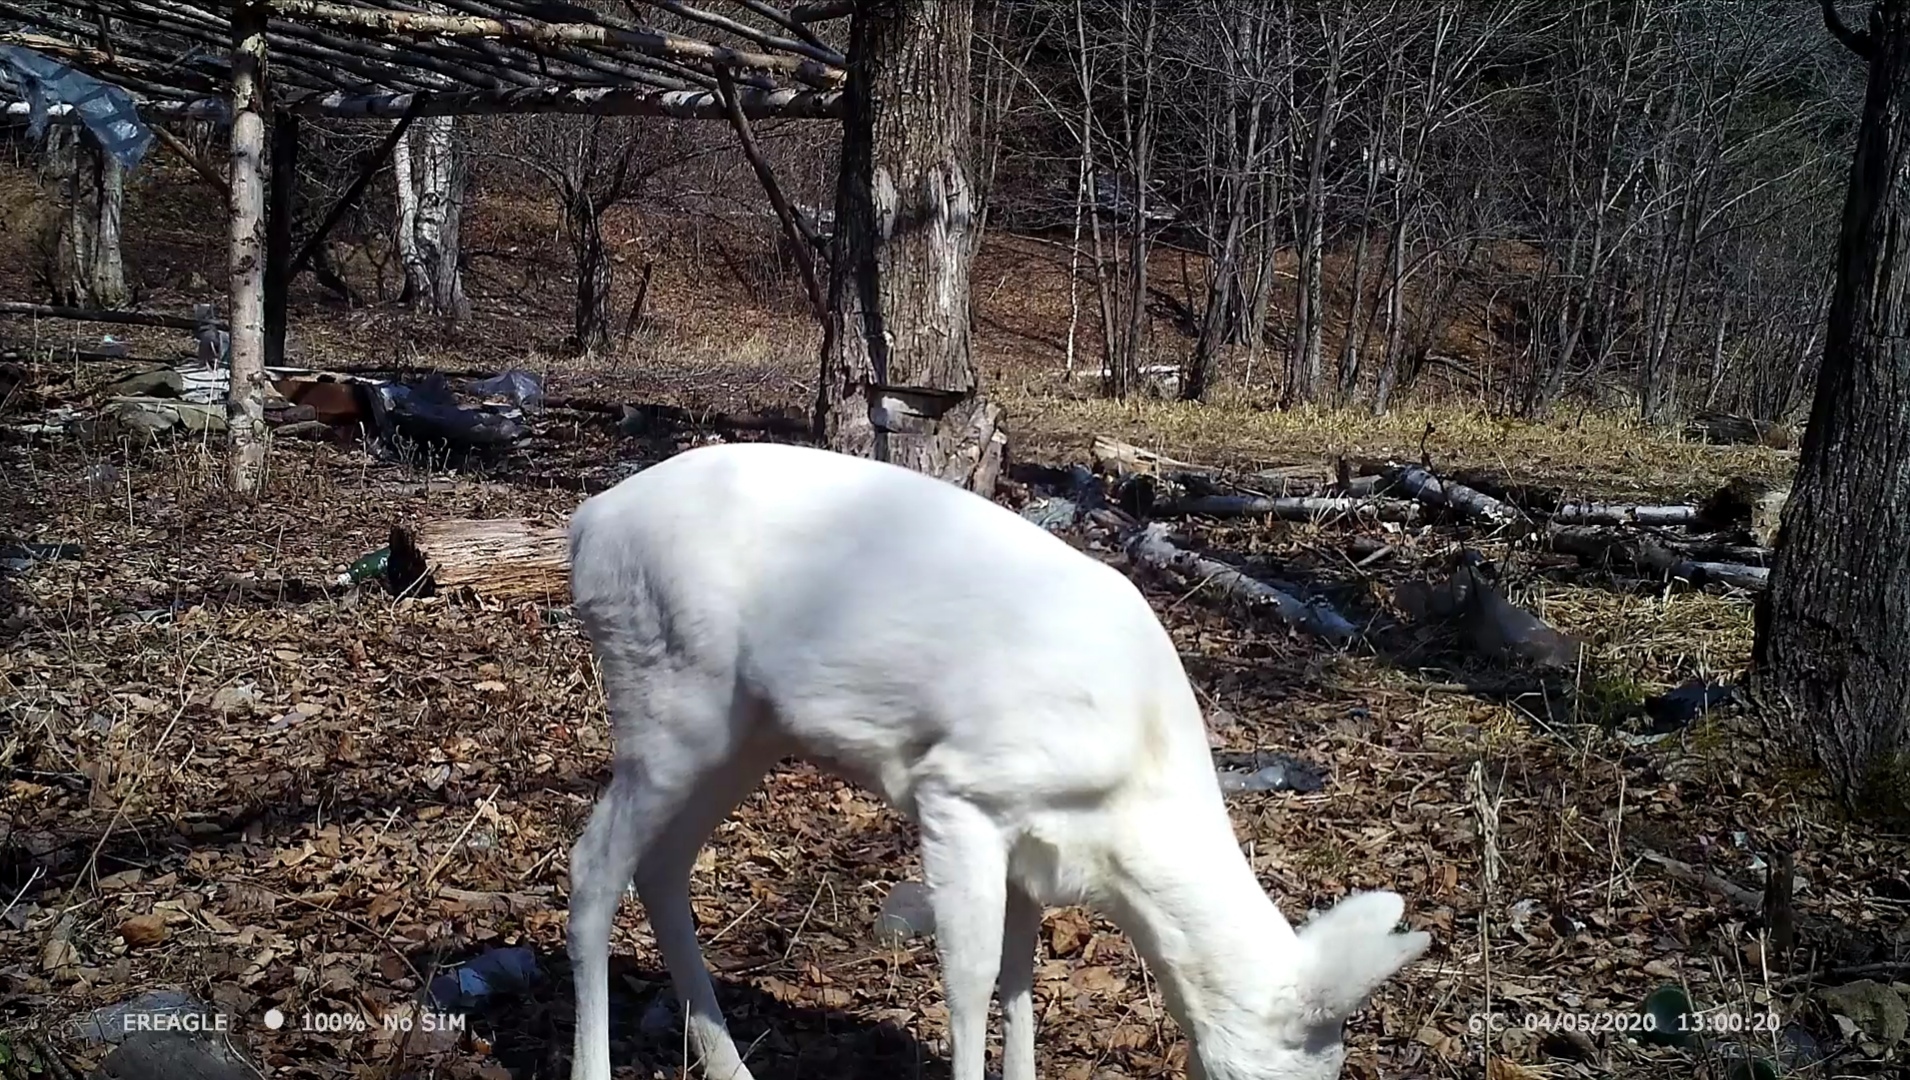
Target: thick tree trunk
<point x="417" y="278"/>
<point x="440" y="213"/>
<point x="245" y="402"/>
<point x="1832" y="660"/>
<point x="898" y="375"/>
<point x="84" y="266"/>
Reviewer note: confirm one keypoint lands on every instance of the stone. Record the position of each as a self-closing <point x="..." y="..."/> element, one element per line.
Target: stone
<point x="158" y="383"/>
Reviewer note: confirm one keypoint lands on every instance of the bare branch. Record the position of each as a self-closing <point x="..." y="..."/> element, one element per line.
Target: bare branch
<point x="1856" y="41"/>
<point x="800" y="235"/>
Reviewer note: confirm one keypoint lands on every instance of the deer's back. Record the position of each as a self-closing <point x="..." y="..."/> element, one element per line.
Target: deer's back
<point x="888" y="622"/>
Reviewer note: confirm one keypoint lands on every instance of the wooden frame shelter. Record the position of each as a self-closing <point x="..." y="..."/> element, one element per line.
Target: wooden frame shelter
<point x="236" y="63"/>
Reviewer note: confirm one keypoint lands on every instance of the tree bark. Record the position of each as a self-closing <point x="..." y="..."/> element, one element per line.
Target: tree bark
<point x="1304" y="368"/>
<point x="84" y="265"/>
<point x="440" y="212"/>
<point x="898" y="375"/>
<point x="417" y="279"/>
<point x="245" y="402"/>
<point x="1832" y="660"/>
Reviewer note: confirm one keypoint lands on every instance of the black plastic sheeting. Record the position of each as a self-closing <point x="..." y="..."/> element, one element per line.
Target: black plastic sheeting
<point x="109" y="112"/>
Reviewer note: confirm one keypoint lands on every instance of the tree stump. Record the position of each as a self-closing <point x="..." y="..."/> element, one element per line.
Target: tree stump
<point x="509" y="560"/>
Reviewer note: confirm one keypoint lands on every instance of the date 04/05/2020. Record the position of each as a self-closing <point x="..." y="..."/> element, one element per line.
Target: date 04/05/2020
<point x="1714" y="1022"/>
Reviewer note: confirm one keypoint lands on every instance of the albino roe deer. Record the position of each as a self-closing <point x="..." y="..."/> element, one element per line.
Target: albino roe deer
<point x="1014" y="697"/>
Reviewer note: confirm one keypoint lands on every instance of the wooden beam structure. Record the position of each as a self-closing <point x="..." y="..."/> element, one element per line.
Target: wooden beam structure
<point x="206" y="60"/>
<point x="375" y="58"/>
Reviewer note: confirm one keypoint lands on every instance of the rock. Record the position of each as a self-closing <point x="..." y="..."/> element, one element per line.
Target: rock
<point x="158" y="383"/>
<point x="906" y="913"/>
<point x="164" y="1055"/>
<point x="150" y="416"/>
<point x="143" y="930"/>
<point x="1876" y="1010"/>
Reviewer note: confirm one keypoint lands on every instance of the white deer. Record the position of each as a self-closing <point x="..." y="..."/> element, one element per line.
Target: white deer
<point x="1016" y="698"/>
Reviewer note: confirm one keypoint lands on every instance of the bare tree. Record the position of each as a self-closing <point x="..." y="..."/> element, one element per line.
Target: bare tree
<point x="431" y="171"/>
<point x="1831" y="656"/>
<point x="898" y="373"/>
<point x="82" y="264"/>
<point x="1304" y="364"/>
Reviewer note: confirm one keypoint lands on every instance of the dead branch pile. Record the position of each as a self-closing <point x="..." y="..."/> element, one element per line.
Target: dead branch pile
<point x="1722" y="541"/>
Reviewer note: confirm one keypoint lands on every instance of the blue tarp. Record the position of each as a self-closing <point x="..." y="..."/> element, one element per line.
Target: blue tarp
<point x="109" y="112"/>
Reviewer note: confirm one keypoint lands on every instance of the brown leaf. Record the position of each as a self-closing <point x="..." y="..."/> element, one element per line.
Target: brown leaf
<point x="1069" y="932"/>
<point x="143" y="930"/>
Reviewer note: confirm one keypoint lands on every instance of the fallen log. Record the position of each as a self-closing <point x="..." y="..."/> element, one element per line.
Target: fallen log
<point x="1724" y="428"/>
<point x="1421" y="484"/>
<point x="1601" y="545"/>
<point x="645" y="420"/>
<point x="1289" y="508"/>
<point x="98" y="315"/>
<point x="1625" y="514"/>
<point x="1493" y="625"/>
<point x="506" y="559"/>
<point x="1150" y="547"/>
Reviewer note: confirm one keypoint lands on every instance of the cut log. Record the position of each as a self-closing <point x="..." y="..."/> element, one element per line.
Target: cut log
<point x="1625" y="514"/>
<point x="1492" y="624"/>
<point x="1289" y="508"/>
<point x="1421" y="484"/>
<point x="1113" y="455"/>
<point x="1599" y="545"/>
<point x="509" y="560"/>
<point x="1150" y="547"/>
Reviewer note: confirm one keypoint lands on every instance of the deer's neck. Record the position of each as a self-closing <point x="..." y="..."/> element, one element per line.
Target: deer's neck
<point x="1186" y="896"/>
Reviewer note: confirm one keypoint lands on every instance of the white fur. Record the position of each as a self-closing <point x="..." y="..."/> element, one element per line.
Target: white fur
<point x="1016" y="698"/>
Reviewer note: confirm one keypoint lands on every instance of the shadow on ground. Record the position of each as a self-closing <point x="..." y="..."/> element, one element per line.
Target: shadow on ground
<point x="530" y="1033"/>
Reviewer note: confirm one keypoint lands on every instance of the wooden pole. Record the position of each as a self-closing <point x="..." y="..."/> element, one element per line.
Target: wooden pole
<point x="278" y="233"/>
<point x="245" y="404"/>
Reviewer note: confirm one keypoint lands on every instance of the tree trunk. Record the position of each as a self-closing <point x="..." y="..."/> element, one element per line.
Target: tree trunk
<point x="1832" y="661"/>
<point x="105" y="269"/>
<point x="279" y="209"/>
<point x="245" y="401"/>
<point x="440" y="210"/>
<point x="898" y="376"/>
<point x="590" y="321"/>
<point x="84" y="267"/>
<point x="417" y="277"/>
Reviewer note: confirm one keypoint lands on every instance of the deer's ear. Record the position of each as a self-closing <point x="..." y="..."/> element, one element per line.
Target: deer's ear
<point x="1349" y="950"/>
